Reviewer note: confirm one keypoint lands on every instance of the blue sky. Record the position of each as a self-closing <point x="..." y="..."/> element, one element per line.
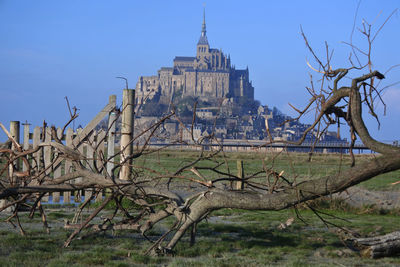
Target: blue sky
<point x="52" y="49"/>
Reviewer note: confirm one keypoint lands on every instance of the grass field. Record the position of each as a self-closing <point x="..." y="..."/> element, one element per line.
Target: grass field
<point x="227" y="237"/>
<point x="295" y="165"/>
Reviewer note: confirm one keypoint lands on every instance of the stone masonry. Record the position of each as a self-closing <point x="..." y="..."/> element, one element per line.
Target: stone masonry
<point x="208" y="76"/>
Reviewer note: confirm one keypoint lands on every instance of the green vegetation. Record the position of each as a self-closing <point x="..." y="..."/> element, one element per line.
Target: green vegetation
<point x="296" y="166"/>
<point x="227" y="237"/>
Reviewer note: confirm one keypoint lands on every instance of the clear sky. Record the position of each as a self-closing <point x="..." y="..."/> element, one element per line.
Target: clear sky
<point x="52" y="49"/>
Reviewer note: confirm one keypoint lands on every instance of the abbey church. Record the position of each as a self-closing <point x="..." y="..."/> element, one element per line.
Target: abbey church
<point x="208" y="76"/>
<point x="224" y="97"/>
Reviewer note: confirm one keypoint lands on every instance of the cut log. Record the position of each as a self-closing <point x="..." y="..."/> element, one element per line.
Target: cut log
<point x="379" y="246"/>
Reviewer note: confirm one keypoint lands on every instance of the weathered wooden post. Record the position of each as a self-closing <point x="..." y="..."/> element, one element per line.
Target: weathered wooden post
<point x="100" y="142"/>
<point x="128" y="98"/>
<point x="47" y="154"/>
<point x="14" y="132"/>
<point x="90" y="158"/>
<point x="26" y="142"/>
<point x="111" y="136"/>
<point x="68" y="163"/>
<point x="36" y="141"/>
<point x="79" y="193"/>
<point x="57" y="172"/>
<point x="240" y="174"/>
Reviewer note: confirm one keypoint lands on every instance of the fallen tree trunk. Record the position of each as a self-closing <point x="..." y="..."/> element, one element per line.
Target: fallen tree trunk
<point x="379" y="246"/>
<point x="214" y="198"/>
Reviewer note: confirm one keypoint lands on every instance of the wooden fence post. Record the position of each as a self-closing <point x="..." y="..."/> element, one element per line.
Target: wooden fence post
<point x="26" y="142"/>
<point x="240" y="174"/>
<point x="14" y="131"/>
<point x="79" y="193"/>
<point x="101" y="135"/>
<point x="111" y="137"/>
<point x="68" y="163"/>
<point x="90" y="155"/>
<point x="47" y="151"/>
<point x="57" y="172"/>
<point x="36" y="141"/>
<point x="128" y="98"/>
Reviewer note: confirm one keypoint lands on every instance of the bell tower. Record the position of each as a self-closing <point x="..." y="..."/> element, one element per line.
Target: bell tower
<point x="203" y="47"/>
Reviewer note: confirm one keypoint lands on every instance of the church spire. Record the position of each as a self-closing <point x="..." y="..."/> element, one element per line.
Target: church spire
<point x="203" y="37"/>
<point x="203" y="27"/>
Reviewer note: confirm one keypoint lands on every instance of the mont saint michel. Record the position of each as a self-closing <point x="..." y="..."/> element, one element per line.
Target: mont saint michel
<point x="207" y="76"/>
<point x="224" y="98"/>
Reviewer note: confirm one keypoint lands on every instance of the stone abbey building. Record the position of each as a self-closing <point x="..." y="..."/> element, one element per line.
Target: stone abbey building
<point x="225" y="97"/>
<point x="208" y="76"/>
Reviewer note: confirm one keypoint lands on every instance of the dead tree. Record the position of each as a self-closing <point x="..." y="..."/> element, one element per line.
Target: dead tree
<point x="338" y="100"/>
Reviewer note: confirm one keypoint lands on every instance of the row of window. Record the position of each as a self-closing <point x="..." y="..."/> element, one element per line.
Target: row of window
<point x="202" y="49"/>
